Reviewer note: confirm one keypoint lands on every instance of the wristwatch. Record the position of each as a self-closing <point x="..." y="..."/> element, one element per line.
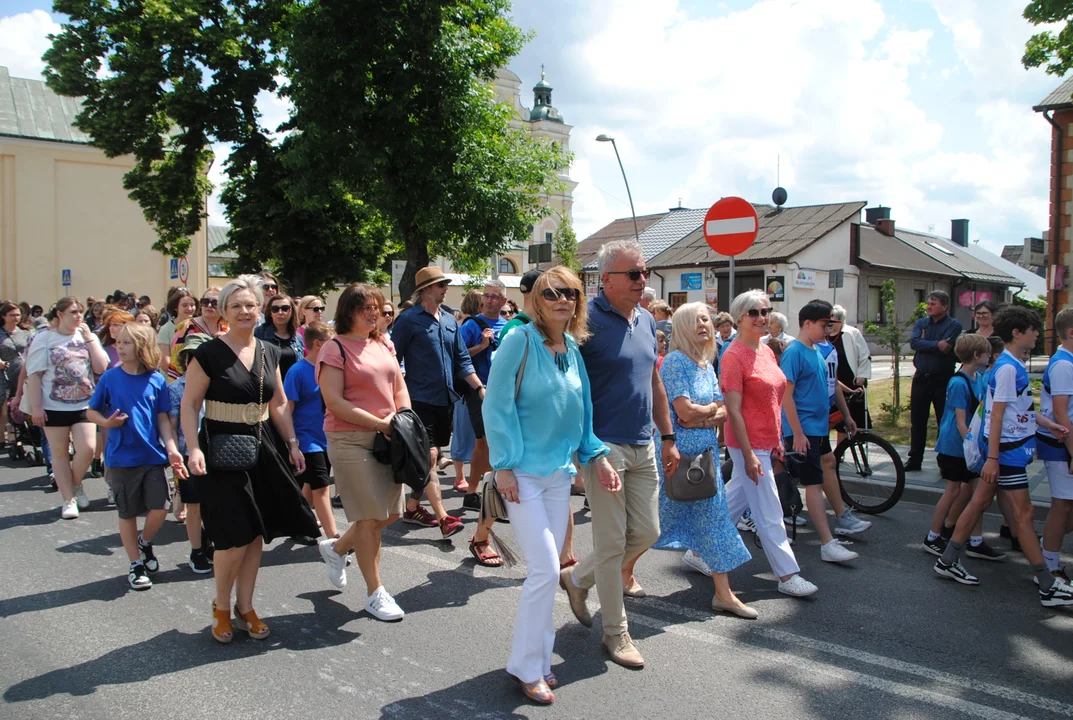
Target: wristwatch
<point x="669" y="437"/>
<point x="292" y="441"/>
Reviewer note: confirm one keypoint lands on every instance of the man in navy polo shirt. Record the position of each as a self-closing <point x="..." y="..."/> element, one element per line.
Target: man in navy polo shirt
<point x="627" y="395"/>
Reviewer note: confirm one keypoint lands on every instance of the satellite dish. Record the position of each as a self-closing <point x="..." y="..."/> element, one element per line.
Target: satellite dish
<point x="778" y="196"/>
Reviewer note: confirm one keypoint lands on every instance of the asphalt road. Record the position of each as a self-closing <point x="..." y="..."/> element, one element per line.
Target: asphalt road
<point x="885" y="638"/>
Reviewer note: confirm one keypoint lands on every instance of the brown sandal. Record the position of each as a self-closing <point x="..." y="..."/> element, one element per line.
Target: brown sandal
<point x="488" y="559"/>
<point x="221" y="625"/>
<point x="538" y="691"/>
<point x="251" y="624"/>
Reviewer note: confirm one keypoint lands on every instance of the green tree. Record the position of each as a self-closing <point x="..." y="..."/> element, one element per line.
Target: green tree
<point x="1055" y="50"/>
<point x="891" y="335"/>
<point x="566" y="245"/>
<point x="395" y="98"/>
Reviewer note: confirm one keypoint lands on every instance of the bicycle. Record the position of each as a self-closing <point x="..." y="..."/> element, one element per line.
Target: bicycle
<point x="872" y="478"/>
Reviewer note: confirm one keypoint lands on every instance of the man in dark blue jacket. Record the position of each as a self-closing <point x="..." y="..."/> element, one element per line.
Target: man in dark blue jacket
<point x="933" y="341"/>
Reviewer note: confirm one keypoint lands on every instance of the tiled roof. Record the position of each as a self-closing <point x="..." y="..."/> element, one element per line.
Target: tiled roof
<point x="1061" y="97"/>
<point x="217" y="239"/>
<point x="30" y="109"/>
<point x="885" y="252"/>
<point x="783" y="233"/>
<point x="621" y="229"/>
<point x="956" y="258"/>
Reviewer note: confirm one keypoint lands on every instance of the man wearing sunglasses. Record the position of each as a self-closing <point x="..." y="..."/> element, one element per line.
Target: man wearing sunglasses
<point x="481" y="335"/>
<point x="627" y="396"/>
<point x="427" y="339"/>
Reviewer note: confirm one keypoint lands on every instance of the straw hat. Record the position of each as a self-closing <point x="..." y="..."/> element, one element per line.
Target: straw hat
<point x="429" y="276"/>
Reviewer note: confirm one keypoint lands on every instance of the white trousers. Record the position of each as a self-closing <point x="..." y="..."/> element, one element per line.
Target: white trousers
<point x="763" y="499"/>
<point x="539" y="522"/>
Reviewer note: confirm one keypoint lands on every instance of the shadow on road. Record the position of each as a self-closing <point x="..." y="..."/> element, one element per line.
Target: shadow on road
<point x="173" y="651"/>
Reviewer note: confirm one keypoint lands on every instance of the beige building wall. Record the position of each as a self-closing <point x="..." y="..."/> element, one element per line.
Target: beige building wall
<point x="63" y="206"/>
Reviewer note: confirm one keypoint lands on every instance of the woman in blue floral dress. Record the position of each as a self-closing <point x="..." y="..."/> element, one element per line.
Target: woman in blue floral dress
<point x="703" y="527"/>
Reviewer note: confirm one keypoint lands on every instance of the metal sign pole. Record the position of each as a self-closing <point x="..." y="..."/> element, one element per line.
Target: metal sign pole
<point x="731" y="278"/>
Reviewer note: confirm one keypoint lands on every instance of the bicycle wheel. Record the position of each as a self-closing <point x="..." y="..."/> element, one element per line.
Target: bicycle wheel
<point x="870" y="473"/>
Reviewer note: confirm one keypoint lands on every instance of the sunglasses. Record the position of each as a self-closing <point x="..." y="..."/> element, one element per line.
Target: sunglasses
<point x="317" y="309"/>
<point x="388" y="313"/>
<point x="271" y="286"/>
<point x="208" y="302"/>
<point x="759" y="312"/>
<point x="281" y="308"/>
<point x="553" y="294"/>
<point x="442" y="283"/>
<point x="633" y="275"/>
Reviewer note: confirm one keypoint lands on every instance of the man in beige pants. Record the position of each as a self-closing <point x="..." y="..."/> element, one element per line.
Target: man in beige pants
<point x="627" y="395"/>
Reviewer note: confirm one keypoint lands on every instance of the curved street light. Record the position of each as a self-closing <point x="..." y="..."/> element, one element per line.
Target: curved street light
<point x="607" y="138"/>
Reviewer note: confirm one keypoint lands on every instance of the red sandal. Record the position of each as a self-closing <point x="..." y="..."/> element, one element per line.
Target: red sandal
<point x="569" y="563"/>
<point x="483" y="558"/>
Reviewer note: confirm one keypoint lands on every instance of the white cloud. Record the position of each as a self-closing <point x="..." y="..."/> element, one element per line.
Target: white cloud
<point x="23" y="40"/>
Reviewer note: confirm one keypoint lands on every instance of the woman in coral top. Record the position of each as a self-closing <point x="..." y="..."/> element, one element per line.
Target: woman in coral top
<point x="753" y="386"/>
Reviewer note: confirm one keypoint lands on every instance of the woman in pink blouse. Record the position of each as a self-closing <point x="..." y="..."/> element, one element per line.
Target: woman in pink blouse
<point x="361" y="383"/>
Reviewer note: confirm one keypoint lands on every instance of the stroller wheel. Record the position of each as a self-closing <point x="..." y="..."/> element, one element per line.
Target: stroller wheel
<point x="32" y="458"/>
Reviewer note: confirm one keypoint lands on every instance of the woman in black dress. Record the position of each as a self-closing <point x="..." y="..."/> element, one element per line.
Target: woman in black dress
<point x="238" y="377"/>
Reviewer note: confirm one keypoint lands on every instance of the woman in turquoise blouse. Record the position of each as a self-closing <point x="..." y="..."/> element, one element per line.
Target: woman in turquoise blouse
<point x="531" y="442"/>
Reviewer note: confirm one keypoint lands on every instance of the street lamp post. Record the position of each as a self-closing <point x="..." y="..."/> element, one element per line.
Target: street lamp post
<point x="607" y="138"/>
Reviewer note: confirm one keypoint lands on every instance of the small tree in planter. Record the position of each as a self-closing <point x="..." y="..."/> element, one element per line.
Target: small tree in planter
<point x="890" y="335"/>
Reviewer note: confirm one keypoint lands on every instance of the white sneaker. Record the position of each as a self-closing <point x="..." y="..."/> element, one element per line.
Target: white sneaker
<point x="69" y="509"/>
<point x="797" y="586"/>
<point x="850" y="524"/>
<point x="383" y="607"/>
<point x="111" y="496"/>
<point x="834" y="551"/>
<point x="746" y="524"/>
<point x="336" y="563"/>
<point x="80" y="497"/>
<point x="696" y="562"/>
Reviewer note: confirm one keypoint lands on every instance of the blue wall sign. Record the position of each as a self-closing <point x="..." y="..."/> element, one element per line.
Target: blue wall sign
<point x="173" y="268"/>
<point x="691" y="281"/>
<point x="65" y="276"/>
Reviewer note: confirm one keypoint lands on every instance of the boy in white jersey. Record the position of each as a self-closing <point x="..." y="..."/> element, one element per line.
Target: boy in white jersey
<point x="1009" y="439"/>
<point x="1054" y="452"/>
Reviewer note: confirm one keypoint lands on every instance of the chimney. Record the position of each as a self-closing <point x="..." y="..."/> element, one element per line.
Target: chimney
<point x="873" y="215"/>
<point x="959" y="232"/>
<point x="885" y="226"/>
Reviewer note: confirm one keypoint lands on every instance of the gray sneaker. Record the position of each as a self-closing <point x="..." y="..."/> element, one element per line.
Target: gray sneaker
<point x="80" y="497"/>
<point x="849" y="524"/>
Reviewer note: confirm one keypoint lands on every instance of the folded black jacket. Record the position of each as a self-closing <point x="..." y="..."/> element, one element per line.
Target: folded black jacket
<point x="407" y="451"/>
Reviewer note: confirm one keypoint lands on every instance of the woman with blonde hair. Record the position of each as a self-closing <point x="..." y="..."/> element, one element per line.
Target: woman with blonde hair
<point x="113" y="323"/>
<point x="250" y="496"/>
<point x="310" y="309"/>
<point x="713" y="545"/>
<point x="534" y="469"/>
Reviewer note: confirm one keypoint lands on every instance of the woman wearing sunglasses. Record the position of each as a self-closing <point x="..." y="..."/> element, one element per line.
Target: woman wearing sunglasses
<point x="534" y="468"/>
<point x="280" y="328"/>
<point x="208" y="322"/>
<point x="310" y="309"/>
<point x="753" y="386"/>
<point x="387" y="319"/>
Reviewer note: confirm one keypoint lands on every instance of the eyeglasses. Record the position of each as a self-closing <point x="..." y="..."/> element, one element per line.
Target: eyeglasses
<point x="388" y="313"/>
<point x="271" y="286"/>
<point x="553" y="294"/>
<point x="281" y="309"/>
<point x="504" y="313"/>
<point x="493" y="296"/>
<point x="316" y="309"/>
<point x="759" y="312"/>
<point x="633" y="275"/>
<point x="208" y="302"/>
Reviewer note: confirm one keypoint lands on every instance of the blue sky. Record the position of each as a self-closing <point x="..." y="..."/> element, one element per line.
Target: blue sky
<point x="922" y="106"/>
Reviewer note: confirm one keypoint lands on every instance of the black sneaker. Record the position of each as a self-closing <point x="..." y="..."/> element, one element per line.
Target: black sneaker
<point x="955" y="572"/>
<point x="305" y="540"/>
<point x="96" y="469"/>
<point x="983" y="551"/>
<point x="138" y="579"/>
<point x="146" y="550"/>
<point x="1057" y="595"/>
<point x="337" y="502"/>
<point x="935" y="547"/>
<point x="199" y="563"/>
<point x="912" y="467"/>
<point x="472" y="501"/>
<point x="210" y="551"/>
<point x="1059" y="574"/>
<point x="1004" y="532"/>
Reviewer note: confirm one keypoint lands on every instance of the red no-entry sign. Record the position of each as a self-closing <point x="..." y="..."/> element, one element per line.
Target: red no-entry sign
<point x="731" y="225"/>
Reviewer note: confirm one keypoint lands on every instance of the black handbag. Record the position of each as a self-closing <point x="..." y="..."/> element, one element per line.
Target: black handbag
<point x="238" y="453"/>
<point x="695" y="478"/>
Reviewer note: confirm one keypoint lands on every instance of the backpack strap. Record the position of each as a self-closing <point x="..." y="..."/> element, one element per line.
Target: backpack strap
<point x="342" y="353"/>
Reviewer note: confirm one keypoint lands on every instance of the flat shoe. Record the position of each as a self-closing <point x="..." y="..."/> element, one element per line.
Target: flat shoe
<point x="634" y="591"/>
<point x="742" y="611"/>
<point x="538" y="691"/>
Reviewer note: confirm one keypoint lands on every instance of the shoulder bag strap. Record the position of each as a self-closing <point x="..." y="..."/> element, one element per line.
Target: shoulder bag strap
<point x="521" y="370"/>
<point x="261" y="391"/>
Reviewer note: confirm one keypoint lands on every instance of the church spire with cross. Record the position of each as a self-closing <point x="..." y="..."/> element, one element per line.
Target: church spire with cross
<point x="542" y="107"/>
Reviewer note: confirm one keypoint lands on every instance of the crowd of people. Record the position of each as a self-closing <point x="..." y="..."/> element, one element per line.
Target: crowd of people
<point x="239" y="410"/>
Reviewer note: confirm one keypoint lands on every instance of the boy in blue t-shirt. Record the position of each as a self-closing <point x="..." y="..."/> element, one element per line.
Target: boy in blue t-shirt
<point x="805" y="421"/>
<point x="307" y="411"/>
<point x="1009" y="437"/>
<point x="1054" y="452"/>
<point x="963" y="393"/>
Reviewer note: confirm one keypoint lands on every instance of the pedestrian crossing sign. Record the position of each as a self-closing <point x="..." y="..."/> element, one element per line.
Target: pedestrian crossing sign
<point x="65" y="276"/>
